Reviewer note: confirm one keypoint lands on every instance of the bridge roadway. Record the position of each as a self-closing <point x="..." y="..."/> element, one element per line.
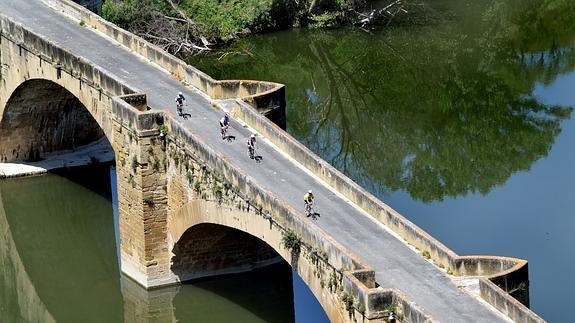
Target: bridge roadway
<point x="396" y="264"/>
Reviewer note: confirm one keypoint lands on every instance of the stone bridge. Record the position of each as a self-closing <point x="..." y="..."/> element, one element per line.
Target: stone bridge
<point x="193" y="205"/>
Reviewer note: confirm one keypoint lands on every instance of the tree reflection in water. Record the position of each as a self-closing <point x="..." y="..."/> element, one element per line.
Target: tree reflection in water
<point x="439" y="110"/>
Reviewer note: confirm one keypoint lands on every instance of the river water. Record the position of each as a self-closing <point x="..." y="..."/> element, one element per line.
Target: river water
<point x="58" y="263"/>
<point x="459" y="116"/>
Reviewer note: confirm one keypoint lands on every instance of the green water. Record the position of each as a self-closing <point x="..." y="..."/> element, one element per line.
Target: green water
<point x="58" y="263"/>
<point x="459" y="116"/>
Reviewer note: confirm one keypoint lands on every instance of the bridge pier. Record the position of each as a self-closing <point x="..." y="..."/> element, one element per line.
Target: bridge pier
<point x="142" y="200"/>
<point x="142" y="306"/>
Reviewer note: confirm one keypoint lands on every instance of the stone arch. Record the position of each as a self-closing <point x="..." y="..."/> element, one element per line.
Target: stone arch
<point x="209" y="249"/>
<point x="41" y="116"/>
<point x="196" y="213"/>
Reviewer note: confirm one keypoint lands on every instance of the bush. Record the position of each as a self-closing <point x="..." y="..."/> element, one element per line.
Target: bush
<point x="291" y="241"/>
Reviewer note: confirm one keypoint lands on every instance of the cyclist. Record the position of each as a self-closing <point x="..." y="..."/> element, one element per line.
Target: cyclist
<point x="308" y="202"/>
<point x="251" y="145"/>
<point x="180" y="103"/>
<point x="224" y="124"/>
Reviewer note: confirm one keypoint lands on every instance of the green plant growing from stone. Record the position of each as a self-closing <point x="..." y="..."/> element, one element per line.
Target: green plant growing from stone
<point x="190" y="177"/>
<point x="217" y="191"/>
<point x="156" y="164"/>
<point x="291" y="241"/>
<point x="333" y="281"/>
<point x="134" y="163"/>
<point x="348" y="301"/>
<point x="163" y="129"/>
<point x="426" y="254"/>
<point x="131" y="181"/>
<point x="82" y="23"/>
<point x="391" y="308"/>
<point x="154" y="161"/>
<point x="361" y="308"/>
<point x="148" y="201"/>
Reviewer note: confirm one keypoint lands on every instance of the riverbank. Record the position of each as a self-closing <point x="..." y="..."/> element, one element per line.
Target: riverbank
<point x="189" y="27"/>
<point x="96" y="152"/>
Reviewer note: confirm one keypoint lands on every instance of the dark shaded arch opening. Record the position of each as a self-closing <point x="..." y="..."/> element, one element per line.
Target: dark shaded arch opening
<point x="209" y="249"/>
<point x="42" y="117"/>
<point x="239" y="272"/>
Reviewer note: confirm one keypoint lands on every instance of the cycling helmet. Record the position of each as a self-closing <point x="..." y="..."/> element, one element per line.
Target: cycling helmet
<point x="309" y="191"/>
<point x="180" y="93"/>
<point x="253" y="136"/>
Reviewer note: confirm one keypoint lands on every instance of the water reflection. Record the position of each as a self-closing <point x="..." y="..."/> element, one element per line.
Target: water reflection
<point x="58" y="264"/>
<point x="446" y="108"/>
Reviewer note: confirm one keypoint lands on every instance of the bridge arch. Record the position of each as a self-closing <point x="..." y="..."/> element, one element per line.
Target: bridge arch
<point x="41" y="116"/>
<point x="215" y="249"/>
<point x="239" y="230"/>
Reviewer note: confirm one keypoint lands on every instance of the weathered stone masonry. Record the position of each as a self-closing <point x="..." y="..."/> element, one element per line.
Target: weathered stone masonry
<point x="166" y="200"/>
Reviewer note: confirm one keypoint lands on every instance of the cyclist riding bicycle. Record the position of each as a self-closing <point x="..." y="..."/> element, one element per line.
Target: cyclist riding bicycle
<point x="180" y="99"/>
<point x="308" y="202"/>
<point x="224" y="124"/>
<point x="251" y="145"/>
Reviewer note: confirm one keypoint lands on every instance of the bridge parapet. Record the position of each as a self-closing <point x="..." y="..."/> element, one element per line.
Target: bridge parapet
<point x="266" y="97"/>
<point x="328" y="268"/>
<point x="498" y="275"/>
<point x="31" y="63"/>
<point x="140" y="150"/>
<point x="61" y="59"/>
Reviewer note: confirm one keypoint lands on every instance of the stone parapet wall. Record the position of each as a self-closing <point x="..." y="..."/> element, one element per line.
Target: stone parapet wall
<point x="260" y="95"/>
<point x="337" y="263"/>
<point x="509" y="306"/>
<point x="62" y="60"/>
<point x="441" y="255"/>
<point x="142" y="180"/>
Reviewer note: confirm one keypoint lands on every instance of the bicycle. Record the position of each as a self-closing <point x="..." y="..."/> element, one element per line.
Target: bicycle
<point x="251" y="146"/>
<point x="180" y="99"/>
<point x="309" y="208"/>
<point x="223" y="131"/>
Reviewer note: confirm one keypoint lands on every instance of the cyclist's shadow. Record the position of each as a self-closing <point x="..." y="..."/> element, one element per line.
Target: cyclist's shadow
<point x="185" y="115"/>
<point x="314" y="215"/>
<point x="229" y="138"/>
<point x="258" y="158"/>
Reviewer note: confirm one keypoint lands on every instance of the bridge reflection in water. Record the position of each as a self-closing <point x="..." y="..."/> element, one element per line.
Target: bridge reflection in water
<point x="170" y="181"/>
<point x="57" y="264"/>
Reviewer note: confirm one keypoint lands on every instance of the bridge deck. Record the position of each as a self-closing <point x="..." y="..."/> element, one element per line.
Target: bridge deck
<point x="396" y="264"/>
